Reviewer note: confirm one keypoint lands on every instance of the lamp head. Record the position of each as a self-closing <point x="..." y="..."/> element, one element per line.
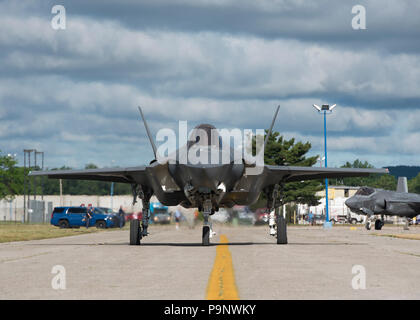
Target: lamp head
<point x="317" y="107"/>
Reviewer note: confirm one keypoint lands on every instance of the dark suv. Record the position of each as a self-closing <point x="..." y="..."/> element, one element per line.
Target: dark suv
<point x="70" y="217"/>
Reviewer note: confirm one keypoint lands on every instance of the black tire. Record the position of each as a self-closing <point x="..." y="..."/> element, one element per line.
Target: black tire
<point x="206" y="236"/>
<point x="353" y="221"/>
<point x="135" y="232"/>
<point x="378" y="225"/>
<point x="63" y="224"/>
<point x="367" y="226"/>
<point x="281" y="230"/>
<point x="100" y="224"/>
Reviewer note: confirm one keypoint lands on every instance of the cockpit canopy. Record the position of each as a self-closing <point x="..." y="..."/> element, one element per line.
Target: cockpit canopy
<point x="204" y="135"/>
<point x="365" y="191"/>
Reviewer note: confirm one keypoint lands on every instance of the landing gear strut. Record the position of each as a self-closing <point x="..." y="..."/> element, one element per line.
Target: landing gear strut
<point x="207" y="207"/>
<point x="137" y="230"/>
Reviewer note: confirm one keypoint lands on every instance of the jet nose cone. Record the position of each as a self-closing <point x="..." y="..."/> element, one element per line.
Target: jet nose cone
<point x="350" y="203"/>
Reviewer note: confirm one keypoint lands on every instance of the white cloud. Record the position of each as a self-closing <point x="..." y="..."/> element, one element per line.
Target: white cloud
<point x="78" y="89"/>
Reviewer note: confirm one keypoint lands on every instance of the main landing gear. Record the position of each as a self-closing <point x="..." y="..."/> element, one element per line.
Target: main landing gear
<point x="379" y="223"/>
<point x="277" y="222"/>
<point x="135" y="232"/>
<point x="139" y="230"/>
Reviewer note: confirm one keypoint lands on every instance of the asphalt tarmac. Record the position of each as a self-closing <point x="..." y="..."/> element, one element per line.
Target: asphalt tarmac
<point x="341" y="263"/>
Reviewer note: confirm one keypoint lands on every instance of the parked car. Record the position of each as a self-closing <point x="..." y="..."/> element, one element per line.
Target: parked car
<point x="159" y="213"/>
<point x="162" y="218"/>
<point x="245" y="215"/>
<point x="106" y="210"/>
<point x="261" y="216"/>
<point x="222" y="216"/>
<point x="74" y="217"/>
<point x="320" y="219"/>
<point x="133" y="216"/>
<point x="116" y="216"/>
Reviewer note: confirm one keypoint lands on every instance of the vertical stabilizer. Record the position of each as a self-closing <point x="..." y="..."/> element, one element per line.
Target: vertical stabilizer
<point x="402" y="184"/>
<point x="148" y="132"/>
<point x="271" y="127"/>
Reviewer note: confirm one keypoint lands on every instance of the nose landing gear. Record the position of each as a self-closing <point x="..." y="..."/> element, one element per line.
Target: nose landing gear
<point x="207" y="231"/>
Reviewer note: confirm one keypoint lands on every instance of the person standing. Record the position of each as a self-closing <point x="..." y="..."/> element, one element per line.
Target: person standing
<point x="121" y="215"/>
<point x="89" y="214"/>
<point x="196" y="217"/>
<point x="177" y="218"/>
<point x="311" y="218"/>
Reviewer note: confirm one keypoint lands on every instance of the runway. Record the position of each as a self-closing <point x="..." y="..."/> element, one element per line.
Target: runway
<point x="172" y="264"/>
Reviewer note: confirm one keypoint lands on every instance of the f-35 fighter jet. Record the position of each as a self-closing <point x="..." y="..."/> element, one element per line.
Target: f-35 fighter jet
<point x="207" y="187"/>
<point x="371" y="202"/>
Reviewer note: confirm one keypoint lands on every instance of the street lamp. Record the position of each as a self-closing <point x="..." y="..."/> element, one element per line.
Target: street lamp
<point x="325" y="109"/>
<point x="26" y="203"/>
<point x="320" y="159"/>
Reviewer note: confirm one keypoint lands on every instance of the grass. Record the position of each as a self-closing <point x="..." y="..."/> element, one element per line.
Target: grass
<point x="22" y="232"/>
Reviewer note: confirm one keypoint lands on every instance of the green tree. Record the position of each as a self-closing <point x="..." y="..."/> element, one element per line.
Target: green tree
<point x="382" y="181"/>
<point x="283" y="152"/>
<point x="11" y="178"/>
<point x="83" y="187"/>
<point x="414" y="184"/>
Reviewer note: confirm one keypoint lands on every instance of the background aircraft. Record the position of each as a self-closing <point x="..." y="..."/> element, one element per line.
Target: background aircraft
<point x="207" y="187"/>
<point x="370" y="202"/>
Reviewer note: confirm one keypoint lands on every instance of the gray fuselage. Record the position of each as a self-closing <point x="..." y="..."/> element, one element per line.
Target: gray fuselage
<point x="369" y="201"/>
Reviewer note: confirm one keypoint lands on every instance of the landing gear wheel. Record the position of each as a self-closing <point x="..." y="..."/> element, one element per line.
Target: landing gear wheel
<point x="206" y="236"/>
<point x="281" y="230"/>
<point x="135" y="232"/>
<point x="378" y="224"/>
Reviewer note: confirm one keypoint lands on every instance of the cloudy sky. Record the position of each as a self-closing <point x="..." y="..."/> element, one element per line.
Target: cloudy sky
<point x="74" y="93"/>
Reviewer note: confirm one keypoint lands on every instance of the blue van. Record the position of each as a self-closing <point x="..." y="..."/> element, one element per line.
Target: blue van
<point x="70" y="217"/>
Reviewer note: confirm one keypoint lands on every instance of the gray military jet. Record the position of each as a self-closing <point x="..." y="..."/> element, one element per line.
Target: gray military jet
<point x="370" y="202"/>
<point x="207" y="187"/>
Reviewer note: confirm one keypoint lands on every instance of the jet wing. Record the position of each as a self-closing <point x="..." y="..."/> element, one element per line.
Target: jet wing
<point x="292" y="174"/>
<point x="413" y="202"/>
<point x="124" y="175"/>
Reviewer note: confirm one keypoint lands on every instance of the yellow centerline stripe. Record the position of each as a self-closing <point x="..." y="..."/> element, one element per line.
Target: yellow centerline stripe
<point x="222" y="284"/>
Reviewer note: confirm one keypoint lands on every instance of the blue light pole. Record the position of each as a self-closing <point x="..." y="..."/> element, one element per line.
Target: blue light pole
<point x="325" y="108"/>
